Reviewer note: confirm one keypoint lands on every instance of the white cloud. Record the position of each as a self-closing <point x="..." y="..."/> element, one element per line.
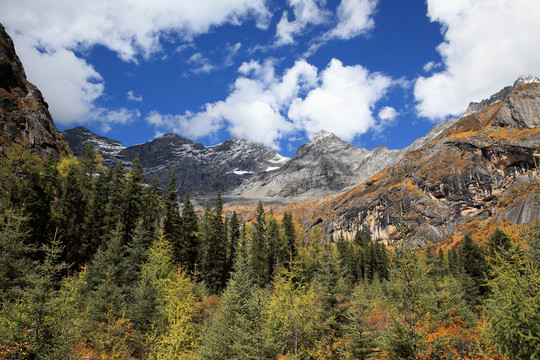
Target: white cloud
<point x="343" y="102"/>
<point x="132" y="97"/>
<point x="355" y="17"/>
<point x="387" y="116"/>
<point x="264" y="108"/>
<point x="120" y="116"/>
<point x="305" y="12"/>
<point x="68" y="83"/>
<point x="487" y="45"/>
<point x="388" y="113"/>
<point x="130" y="28"/>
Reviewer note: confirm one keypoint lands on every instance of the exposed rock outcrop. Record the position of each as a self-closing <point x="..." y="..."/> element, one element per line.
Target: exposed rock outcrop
<point x="200" y="170"/>
<point x="24" y="114"/>
<point x="502" y="95"/>
<point x="477" y="170"/>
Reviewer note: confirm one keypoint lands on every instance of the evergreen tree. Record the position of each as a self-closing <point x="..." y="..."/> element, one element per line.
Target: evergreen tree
<point x="236" y="328"/>
<point x="474" y="267"/>
<point x="114" y="194"/>
<point x="172" y="224"/>
<point x="132" y="199"/>
<point x="72" y="214"/>
<point x="152" y="205"/>
<point x="276" y="253"/>
<point x="289" y="232"/>
<point x="190" y="233"/>
<point x="513" y="308"/>
<point x="498" y="241"/>
<point x="213" y="249"/>
<point x="331" y="298"/>
<point x="233" y="241"/>
<point x="259" y="250"/>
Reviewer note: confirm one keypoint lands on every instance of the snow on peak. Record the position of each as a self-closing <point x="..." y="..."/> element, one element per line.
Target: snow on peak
<point x="526" y="79"/>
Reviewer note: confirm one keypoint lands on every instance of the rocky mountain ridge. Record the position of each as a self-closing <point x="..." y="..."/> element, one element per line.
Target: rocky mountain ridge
<point x="24" y="114"/>
<point x="326" y="165"/>
<point x="502" y="95"/>
<point x="200" y="170"/>
<point x="476" y="173"/>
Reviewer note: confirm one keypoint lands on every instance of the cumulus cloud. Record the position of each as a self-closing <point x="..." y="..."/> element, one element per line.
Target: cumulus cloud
<point x="355" y="17"/>
<point x="69" y="84"/>
<point x="47" y="34"/>
<point x="122" y="116"/>
<point x="132" y="97"/>
<point x="343" y="102"/>
<point x="264" y="107"/>
<point x="487" y="45"/>
<point x="305" y="12"/>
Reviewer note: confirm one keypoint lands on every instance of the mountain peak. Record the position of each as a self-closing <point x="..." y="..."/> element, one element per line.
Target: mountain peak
<point x="322" y="134"/>
<point x="502" y="95"/>
<point x="526" y="79"/>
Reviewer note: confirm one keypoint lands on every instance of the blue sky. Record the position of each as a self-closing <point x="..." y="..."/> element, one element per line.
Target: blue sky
<point x="274" y="72"/>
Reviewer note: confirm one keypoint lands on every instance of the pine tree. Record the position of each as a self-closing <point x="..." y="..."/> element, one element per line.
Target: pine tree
<point x="114" y="194"/>
<point x="513" y="308"/>
<point x="190" y="233"/>
<point x="72" y="213"/>
<point x="474" y="267"/>
<point x="132" y="199"/>
<point x="498" y="241"/>
<point x="259" y="250"/>
<point x="330" y="297"/>
<point x="236" y="328"/>
<point x="172" y="224"/>
<point x="276" y="252"/>
<point x="213" y="248"/>
<point x="152" y="205"/>
<point x="289" y="233"/>
<point x="233" y="241"/>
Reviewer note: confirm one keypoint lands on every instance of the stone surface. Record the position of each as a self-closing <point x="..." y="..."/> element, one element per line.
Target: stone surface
<point x="199" y="170"/>
<point x="24" y="114"/>
<point x="476" y="171"/>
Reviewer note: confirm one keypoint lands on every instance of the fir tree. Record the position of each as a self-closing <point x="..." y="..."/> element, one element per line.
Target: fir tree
<point x="190" y="234"/>
<point x="132" y="199"/>
<point x="172" y="224"/>
<point x="289" y="232"/>
<point x="259" y="251"/>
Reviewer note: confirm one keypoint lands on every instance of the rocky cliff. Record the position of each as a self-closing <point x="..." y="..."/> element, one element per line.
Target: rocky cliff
<point x="24" y="114"/>
<point x="200" y="170"/>
<point x="477" y="171"/>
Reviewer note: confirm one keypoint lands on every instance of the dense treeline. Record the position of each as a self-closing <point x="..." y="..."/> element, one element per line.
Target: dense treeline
<point x="95" y="264"/>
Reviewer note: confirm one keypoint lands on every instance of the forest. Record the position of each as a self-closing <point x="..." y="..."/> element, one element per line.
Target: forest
<point x="98" y="264"/>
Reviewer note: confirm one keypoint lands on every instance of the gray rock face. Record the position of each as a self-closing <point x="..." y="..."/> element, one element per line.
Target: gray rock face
<point x="24" y="113"/>
<point x="325" y="165"/>
<point x="502" y="95"/>
<point x="476" y="171"/>
<point x="80" y="137"/>
<point x="199" y="170"/>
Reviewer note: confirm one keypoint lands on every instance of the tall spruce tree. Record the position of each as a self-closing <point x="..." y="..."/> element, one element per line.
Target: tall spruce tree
<point x="259" y="249"/>
<point x="132" y="199"/>
<point x="190" y="235"/>
<point x="172" y="224"/>
<point x="289" y="232"/>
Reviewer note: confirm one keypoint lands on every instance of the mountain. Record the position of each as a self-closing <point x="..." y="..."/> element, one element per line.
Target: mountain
<point x="80" y="137"/>
<point x="24" y="114"/>
<point x="199" y="170"/>
<point x="324" y="166"/>
<point x="477" y="173"/>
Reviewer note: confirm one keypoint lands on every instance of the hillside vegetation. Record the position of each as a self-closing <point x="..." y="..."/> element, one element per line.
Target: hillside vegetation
<point x="96" y="265"/>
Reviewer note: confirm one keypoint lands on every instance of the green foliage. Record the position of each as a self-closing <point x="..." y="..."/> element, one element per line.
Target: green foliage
<point x="236" y="329"/>
<point x="513" y="309"/>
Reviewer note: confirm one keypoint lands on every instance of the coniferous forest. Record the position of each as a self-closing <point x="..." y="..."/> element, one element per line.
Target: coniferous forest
<point x="99" y="264"/>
